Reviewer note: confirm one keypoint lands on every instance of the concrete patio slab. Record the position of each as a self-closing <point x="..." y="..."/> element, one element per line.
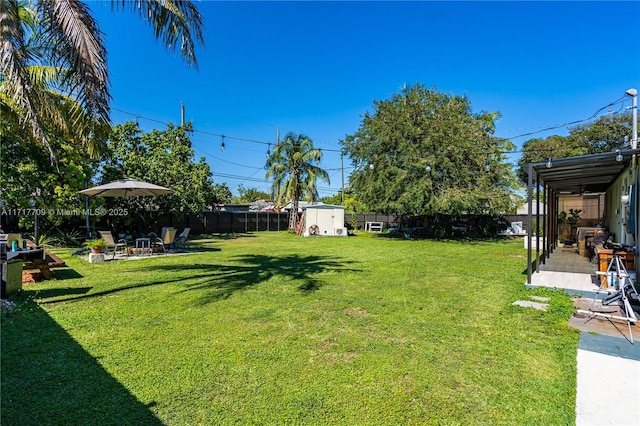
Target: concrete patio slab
<point x="607" y="387"/>
<point x="608" y="363"/>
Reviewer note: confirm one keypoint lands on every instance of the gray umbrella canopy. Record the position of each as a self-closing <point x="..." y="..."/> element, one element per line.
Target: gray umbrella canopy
<point x="127" y="188"/>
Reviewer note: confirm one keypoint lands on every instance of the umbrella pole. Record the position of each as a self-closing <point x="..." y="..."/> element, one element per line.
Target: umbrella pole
<point x="86" y="208"/>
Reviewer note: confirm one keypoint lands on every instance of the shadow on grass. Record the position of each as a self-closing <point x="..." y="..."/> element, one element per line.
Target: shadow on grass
<point x="451" y="239"/>
<point x="47" y="378"/>
<point x="228" y="236"/>
<point x="66" y="274"/>
<point x="222" y="281"/>
<point x="219" y="282"/>
<point x="55" y="292"/>
<point x="202" y="247"/>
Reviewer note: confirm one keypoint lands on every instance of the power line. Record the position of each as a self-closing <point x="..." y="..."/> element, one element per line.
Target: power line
<point x="204" y="132"/>
<point x="257" y="169"/>
<point x="557" y="126"/>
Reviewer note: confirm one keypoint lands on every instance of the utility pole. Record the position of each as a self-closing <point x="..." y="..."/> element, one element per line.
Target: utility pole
<point x="634" y="113"/>
<point x="181" y="114"/>
<point x="342" y="167"/>
<point x="634" y="144"/>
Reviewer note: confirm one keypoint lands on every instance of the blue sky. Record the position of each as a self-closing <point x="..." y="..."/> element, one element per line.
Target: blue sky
<point x="317" y="67"/>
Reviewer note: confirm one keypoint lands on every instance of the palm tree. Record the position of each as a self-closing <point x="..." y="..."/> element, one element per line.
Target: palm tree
<point x="293" y="166"/>
<point x="54" y="48"/>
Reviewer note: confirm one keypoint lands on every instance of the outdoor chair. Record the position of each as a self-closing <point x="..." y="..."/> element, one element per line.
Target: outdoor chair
<point x="181" y="240"/>
<point x="112" y="244"/>
<point x="600" y="236"/>
<point x="163" y="233"/>
<point x="166" y="242"/>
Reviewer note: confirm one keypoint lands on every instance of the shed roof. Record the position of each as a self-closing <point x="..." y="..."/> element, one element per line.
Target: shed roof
<point x="586" y="173"/>
<point x="325" y="206"/>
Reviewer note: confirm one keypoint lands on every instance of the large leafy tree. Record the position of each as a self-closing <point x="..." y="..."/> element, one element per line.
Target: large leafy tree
<point x="250" y="195"/>
<point x="162" y="157"/>
<point x="294" y="167"/>
<point x="543" y="149"/>
<point x="423" y="152"/>
<point x="351" y="201"/>
<point x="55" y="47"/>
<point x="605" y="134"/>
<point x="221" y="194"/>
<point x="27" y="176"/>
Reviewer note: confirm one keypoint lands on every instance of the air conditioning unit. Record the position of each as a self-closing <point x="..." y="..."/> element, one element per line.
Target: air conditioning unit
<point x="340" y="232"/>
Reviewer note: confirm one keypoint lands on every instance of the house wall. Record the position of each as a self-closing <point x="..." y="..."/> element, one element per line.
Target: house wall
<point x="616" y="211"/>
<point x="592" y="206"/>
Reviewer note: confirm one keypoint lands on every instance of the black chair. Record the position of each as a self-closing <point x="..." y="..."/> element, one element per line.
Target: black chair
<point x="598" y="238"/>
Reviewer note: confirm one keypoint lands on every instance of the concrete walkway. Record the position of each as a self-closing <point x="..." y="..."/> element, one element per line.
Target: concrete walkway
<point x="608" y="381"/>
<point x="608" y="364"/>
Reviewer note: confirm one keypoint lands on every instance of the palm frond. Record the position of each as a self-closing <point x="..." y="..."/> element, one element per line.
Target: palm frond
<point x="80" y="50"/>
<point x="16" y="79"/>
<point x="177" y="23"/>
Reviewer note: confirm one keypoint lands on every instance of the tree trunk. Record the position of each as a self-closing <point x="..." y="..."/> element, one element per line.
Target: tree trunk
<point x="293" y="215"/>
<point x="292" y="219"/>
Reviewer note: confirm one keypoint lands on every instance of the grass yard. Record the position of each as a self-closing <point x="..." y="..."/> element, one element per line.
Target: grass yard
<point x="271" y="328"/>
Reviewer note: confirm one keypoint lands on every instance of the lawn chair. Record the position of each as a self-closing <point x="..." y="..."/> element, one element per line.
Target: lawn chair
<point x="112" y="244"/>
<point x="167" y="241"/>
<point x="181" y="240"/>
<point x="163" y="233"/>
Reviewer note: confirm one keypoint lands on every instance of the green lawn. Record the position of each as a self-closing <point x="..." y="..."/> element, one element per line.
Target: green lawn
<point x="271" y="328"/>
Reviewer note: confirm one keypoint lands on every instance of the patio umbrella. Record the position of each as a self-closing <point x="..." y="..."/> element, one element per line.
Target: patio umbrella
<point x="127" y="188"/>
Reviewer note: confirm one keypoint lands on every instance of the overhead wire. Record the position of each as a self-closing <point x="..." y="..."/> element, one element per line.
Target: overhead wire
<point x="226" y="137"/>
<point x="545" y="129"/>
<point x="559" y="126"/>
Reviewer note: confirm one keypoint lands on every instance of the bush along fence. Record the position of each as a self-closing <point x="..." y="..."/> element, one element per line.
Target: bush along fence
<point x="437" y="226"/>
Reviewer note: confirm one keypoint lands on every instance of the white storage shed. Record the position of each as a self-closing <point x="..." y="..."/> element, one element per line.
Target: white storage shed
<point x="324" y="220"/>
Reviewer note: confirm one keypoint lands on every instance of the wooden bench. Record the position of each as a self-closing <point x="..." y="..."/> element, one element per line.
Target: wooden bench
<point x="43" y="265"/>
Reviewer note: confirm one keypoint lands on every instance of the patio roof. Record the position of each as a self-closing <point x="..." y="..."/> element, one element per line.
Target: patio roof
<point x="587" y="173"/>
<point x="574" y="175"/>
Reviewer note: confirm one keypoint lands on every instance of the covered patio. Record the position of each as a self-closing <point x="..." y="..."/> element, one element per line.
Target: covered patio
<point x="565" y="269"/>
<point x="616" y="175"/>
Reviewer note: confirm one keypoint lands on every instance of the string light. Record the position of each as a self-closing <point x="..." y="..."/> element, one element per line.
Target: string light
<point x="595" y="114"/>
<point x="222" y="145"/>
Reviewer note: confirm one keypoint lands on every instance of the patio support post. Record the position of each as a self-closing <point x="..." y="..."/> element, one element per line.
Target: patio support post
<point x="553" y="236"/>
<point x="547" y="219"/>
<point x="537" y="241"/>
<point x="529" y="193"/>
<point x="537" y="218"/>
<point x="544" y="241"/>
<point x="550" y="223"/>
